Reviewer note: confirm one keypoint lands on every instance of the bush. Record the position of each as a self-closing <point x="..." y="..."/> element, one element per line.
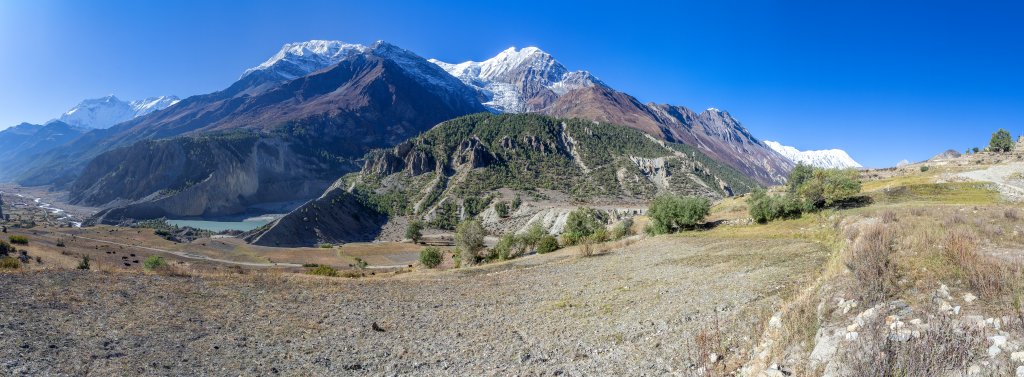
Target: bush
<point x="517" y="202"/>
<point x="547" y="244"/>
<point x="361" y="264"/>
<point x="975" y="149"/>
<point x="623" y="229"/>
<point x="924" y="168"/>
<point x="84" y="263"/>
<point x="6" y="248"/>
<point x="18" y="240"/>
<point x="506" y="247"/>
<point x="414" y="231"/>
<point x="9" y="263"/>
<point x="533" y="236"/>
<point x="582" y="223"/>
<point x="501" y="208"/>
<point x="670" y="213"/>
<point x="1001" y="141"/>
<point x="800" y="174"/>
<point x="326" y="245"/>
<point x="430" y="257"/>
<point x="830" y="186"/>
<point x="154" y="262"/>
<point x="322" y="270"/>
<point x="469" y="238"/>
<point x="764" y="208"/>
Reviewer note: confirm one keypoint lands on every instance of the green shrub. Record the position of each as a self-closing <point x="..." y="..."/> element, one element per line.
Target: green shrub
<point x="800" y="174"/>
<point x="830" y="186"/>
<point x="623" y="229"/>
<point x="84" y="263"/>
<point x="9" y="263"/>
<point x="671" y="213"/>
<point x="764" y="208"/>
<point x="975" y="149"/>
<point x="469" y="238"/>
<point x="582" y="223"/>
<point x="6" y="248"/>
<point x="517" y="202"/>
<point x="547" y="244"/>
<point x="326" y="245"/>
<point x="154" y="262"/>
<point x="502" y="209"/>
<point x="431" y="257"/>
<point x="414" y="231"/>
<point x="924" y="168"/>
<point x="507" y="246"/>
<point x="361" y="264"/>
<point x="322" y="270"/>
<point x="18" y="240"/>
<point x="1001" y="141"/>
<point x="532" y="236"/>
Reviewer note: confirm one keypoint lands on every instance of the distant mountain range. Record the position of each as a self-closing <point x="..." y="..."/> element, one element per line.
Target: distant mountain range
<point x="317" y="110"/>
<point x="108" y="111"/>
<point x="829" y="159"/>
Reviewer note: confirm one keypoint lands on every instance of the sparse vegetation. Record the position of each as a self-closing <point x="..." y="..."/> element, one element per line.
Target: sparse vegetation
<point x="623" y="229"/>
<point x="871" y="261"/>
<point x="6" y="249"/>
<point x="924" y="168"/>
<point x="154" y="263"/>
<point x="323" y="270"/>
<point x="430" y="257"/>
<point x="670" y="213"/>
<point x="84" y="263"/>
<point x="9" y="263"/>
<point x="501" y="209"/>
<point x="18" y="240"/>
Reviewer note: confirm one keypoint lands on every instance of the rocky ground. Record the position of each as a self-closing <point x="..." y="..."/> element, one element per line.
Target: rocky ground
<point x="639" y="309"/>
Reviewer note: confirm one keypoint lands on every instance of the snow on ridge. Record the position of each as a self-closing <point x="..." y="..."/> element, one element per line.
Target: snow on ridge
<point x="298" y="59"/>
<point x="499" y="79"/>
<point x="829" y="158"/>
<point x="107" y="111"/>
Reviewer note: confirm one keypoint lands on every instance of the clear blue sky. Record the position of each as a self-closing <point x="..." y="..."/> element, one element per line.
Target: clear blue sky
<point x="884" y="81"/>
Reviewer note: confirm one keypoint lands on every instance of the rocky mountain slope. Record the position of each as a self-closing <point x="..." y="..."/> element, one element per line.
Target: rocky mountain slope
<point x="108" y="111"/>
<point x="531" y="80"/>
<point x="829" y="158"/>
<point x="456" y="169"/>
<point x="324" y="120"/>
<point x="22" y="144"/>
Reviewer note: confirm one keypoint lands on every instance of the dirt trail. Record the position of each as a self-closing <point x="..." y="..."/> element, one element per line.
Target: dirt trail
<point x="632" y="311"/>
<point x="1009" y="178"/>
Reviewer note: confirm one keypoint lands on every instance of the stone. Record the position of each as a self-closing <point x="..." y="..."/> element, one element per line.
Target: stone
<point x="1017" y="356"/>
<point x="969" y="298"/>
<point x="851" y="336"/>
<point x="994" y="351"/>
<point x="1020" y="371"/>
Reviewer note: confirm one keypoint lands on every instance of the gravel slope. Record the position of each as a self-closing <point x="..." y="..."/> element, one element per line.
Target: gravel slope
<point x="632" y="311"/>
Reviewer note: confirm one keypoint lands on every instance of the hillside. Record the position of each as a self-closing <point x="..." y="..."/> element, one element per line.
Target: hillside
<point x="457" y="169"/>
<point x="305" y="129"/>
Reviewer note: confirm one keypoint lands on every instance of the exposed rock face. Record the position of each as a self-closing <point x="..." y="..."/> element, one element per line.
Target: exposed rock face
<point x="948" y="154"/>
<point x="335" y="217"/>
<point x="714" y="132"/>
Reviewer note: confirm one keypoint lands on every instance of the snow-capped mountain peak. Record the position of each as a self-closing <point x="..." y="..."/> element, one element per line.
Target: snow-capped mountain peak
<point x="298" y="59"/>
<point x="829" y="158"/>
<point x="107" y="111"/>
<point x="519" y="80"/>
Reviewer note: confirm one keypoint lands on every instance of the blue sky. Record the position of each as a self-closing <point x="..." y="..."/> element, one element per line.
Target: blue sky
<point x="883" y="81"/>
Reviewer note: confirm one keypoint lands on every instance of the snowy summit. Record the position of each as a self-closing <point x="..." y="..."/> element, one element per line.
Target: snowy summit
<point x="108" y="111"/>
<point x="829" y="159"/>
<point x="516" y="81"/>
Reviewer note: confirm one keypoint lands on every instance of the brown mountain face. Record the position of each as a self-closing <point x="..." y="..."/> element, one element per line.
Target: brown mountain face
<point x="310" y="129"/>
<point x="714" y="132"/>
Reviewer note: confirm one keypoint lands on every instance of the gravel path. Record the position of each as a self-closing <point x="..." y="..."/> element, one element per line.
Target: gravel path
<point x="1009" y="178"/>
<point x="627" y="312"/>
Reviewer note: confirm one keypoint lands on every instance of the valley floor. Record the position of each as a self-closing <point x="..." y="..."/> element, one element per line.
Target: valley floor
<point x="639" y="309"/>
